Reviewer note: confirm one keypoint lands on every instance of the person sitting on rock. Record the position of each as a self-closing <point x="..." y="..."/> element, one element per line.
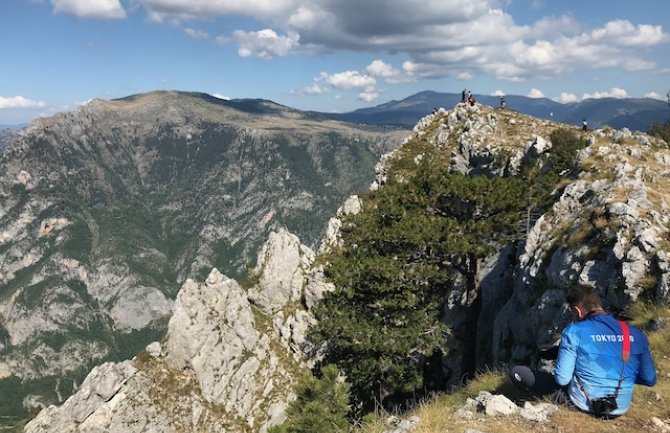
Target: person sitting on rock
<point x="596" y="369"/>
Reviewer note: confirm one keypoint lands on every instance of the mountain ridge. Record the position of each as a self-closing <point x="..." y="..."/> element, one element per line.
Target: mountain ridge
<point x="107" y="210"/>
<point x="607" y="226"/>
<point x="633" y="113"/>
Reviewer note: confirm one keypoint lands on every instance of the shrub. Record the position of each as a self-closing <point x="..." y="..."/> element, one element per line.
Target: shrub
<point x="661" y="130"/>
<point x="322" y="405"/>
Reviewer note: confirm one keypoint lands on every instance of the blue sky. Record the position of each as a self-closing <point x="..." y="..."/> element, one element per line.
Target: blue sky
<point x="328" y="55"/>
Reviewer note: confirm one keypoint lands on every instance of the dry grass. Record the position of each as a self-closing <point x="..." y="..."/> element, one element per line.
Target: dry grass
<point x="437" y="415"/>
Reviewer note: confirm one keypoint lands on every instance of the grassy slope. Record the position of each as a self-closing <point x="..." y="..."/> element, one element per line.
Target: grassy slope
<point x="437" y="415"/>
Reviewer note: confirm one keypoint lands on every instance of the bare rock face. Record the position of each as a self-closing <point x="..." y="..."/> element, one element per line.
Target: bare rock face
<point x="282" y="264"/>
<point x="351" y="206"/>
<point x="608" y="228"/>
<point x="143" y="395"/>
<point x="225" y="364"/>
<point x="214" y="334"/>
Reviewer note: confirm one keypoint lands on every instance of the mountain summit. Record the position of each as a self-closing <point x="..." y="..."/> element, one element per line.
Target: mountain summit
<point x="631" y="113"/>
<point x="231" y="354"/>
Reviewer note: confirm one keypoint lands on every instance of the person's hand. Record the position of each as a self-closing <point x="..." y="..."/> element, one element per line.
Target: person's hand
<point x="548" y="351"/>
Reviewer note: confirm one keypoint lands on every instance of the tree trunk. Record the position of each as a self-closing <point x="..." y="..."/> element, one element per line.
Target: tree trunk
<point x="473" y="309"/>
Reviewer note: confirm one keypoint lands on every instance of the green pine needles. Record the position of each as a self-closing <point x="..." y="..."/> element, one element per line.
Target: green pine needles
<point x="322" y="405"/>
<point x="400" y="255"/>
<point x="412" y="245"/>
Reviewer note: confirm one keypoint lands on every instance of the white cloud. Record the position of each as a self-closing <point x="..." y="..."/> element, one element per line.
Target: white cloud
<point x="653" y="95"/>
<point x="188" y="9"/>
<point x="313" y="89"/>
<point x="220" y="96"/>
<point x="369" y="94"/>
<point x="222" y="40"/>
<point x="380" y="69"/>
<point x="566" y="98"/>
<point x="498" y="93"/>
<point x="415" y="70"/>
<point x="105" y="9"/>
<point x="614" y="92"/>
<point x="554" y="26"/>
<point x="623" y="32"/>
<point x="196" y="34"/>
<point x="440" y="38"/>
<point x="349" y="79"/>
<point x="20" y="102"/>
<point x="265" y="44"/>
<point x="534" y="93"/>
<point x="638" y="64"/>
<point x="391" y="75"/>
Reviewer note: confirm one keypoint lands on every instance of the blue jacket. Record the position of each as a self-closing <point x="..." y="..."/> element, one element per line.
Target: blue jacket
<point x="591" y="350"/>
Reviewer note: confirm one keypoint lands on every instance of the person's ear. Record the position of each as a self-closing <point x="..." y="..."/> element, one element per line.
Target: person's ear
<point x="580" y="312"/>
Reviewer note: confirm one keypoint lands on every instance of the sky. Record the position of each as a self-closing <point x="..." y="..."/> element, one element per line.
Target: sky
<point x="328" y="55"/>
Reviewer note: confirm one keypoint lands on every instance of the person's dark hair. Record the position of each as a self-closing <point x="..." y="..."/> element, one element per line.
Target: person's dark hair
<point x="586" y="297"/>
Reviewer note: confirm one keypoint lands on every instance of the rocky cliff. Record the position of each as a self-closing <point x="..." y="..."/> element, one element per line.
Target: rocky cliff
<point x="106" y="211"/>
<point x="6" y="136"/>
<point x="608" y="226"/>
<point x="230" y="355"/>
<point x="228" y="362"/>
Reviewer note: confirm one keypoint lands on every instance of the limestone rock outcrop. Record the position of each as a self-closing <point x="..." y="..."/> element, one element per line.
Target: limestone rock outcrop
<point x="497" y="405"/>
<point x="228" y="361"/>
<point x="282" y="264"/>
<point x="608" y="227"/>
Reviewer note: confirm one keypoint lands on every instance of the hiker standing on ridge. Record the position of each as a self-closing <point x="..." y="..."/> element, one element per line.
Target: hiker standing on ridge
<point x="463" y="96"/>
<point x="585" y="125"/>
<point x="502" y="101"/>
<point x="599" y="360"/>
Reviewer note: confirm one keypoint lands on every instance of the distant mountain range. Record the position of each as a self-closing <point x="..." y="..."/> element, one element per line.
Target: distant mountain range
<point x="632" y="113"/>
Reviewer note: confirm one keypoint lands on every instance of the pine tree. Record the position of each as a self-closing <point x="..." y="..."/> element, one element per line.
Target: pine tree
<point x="322" y="405"/>
<point x="393" y="275"/>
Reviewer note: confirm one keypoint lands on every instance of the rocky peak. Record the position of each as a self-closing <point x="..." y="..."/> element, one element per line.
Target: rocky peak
<point x="231" y="355"/>
<point x="608" y="226"/>
<point x="281" y="267"/>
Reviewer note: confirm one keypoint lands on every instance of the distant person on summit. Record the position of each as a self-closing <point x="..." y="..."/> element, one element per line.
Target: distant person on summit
<point x="585" y="125"/>
<point x="599" y="360"/>
<point x="463" y="93"/>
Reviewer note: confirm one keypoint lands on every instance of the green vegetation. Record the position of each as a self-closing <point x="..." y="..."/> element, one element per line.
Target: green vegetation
<point x="661" y="130"/>
<point x="414" y="242"/>
<point x="396" y="268"/>
<point x="322" y="405"/>
<point x="551" y="172"/>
